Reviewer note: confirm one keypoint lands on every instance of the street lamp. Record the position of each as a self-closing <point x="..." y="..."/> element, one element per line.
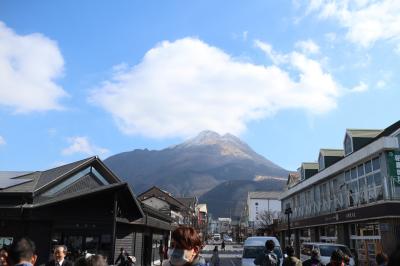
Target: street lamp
<point x="288" y="212"/>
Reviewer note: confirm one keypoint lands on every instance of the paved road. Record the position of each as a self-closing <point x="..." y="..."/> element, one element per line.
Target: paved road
<point x="230" y="257"/>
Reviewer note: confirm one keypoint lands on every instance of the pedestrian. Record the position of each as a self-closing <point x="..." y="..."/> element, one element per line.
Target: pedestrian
<point x="267" y="257"/>
<point x="185" y="248"/>
<point x="22" y="253"/>
<point x="291" y="259"/>
<point x="4" y="256"/>
<point x="161" y="251"/>
<point x="381" y="259"/>
<point x="346" y="260"/>
<point x="91" y="260"/>
<point x="314" y="260"/>
<point x="223" y="245"/>
<point x="215" y="257"/>
<point x="336" y="259"/>
<point x="60" y="251"/>
<point x="122" y="257"/>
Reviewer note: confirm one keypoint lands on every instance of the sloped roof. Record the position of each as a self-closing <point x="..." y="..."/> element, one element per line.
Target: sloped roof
<point x="363" y="133"/>
<point x="332" y="152"/>
<point x="163" y="195"/>
<point x="189" y="202"/>
<point x="264" y="194"/>
<point x="293" y="178"/>
<point x="310" y="165"/>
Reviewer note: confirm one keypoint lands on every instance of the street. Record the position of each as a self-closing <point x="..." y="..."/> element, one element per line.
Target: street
<point x="230" y="257"/>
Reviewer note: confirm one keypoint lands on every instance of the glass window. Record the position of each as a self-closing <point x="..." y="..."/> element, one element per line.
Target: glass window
<point x="256" y="203"/>
<point x="354" y="173"/>
<point x="375" y="164"/>
<point x="347" y="145"/>
<point x="370" y="181"/>
<point x="368" y="167"/>
<point x="67" y="182"/>
<point x="347" y="176"/>
<point x="99" y="176"/>
<point x="360" y="169"/>
<point x="378" y="179"/>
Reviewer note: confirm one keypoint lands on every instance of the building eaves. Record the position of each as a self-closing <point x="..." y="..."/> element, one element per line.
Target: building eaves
<point x="310" y="165"/>
<point x="264" y="194"/>
<point x="363" y="133"/>
<point x="332" y="152"/>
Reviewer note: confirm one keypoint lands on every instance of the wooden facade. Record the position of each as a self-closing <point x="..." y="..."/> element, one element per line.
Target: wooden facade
<point x="82" y="205"/>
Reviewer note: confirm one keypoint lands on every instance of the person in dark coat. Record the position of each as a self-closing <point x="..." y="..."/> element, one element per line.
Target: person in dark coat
<point x="22" y="253"/>
<point x="122" y="257"/>
<point x="60" y="251"/>
<point x="314" y="260"/>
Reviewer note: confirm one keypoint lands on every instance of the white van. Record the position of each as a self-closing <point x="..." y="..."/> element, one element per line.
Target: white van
<point x="255" y="245"/>
<point x="325" y="251"/>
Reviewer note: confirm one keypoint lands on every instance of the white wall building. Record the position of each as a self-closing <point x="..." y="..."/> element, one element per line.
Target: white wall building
<point x="224" y="225"/>
<point x="261" y="201"/>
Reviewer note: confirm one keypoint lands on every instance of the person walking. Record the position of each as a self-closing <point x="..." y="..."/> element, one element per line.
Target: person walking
<point x="122" y="257"/>
<point x="268" y="257"/>
<point x="291" y="259"/>
<point x="60" y="251"/>
<point x="381" y="259"/>
<point x="3" y="256"/>
<point x="161" y="251"/>
<point x="223" y="245"/>
<point x="215" y="257"/>
<point x="314" y="260"/>
<point x="185" y="248"/>
<point x="336" y="259"/>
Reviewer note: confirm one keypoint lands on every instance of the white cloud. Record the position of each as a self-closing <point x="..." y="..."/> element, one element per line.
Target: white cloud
<point x="381" y="84"/>
<point x="29" y="64"/>
<point x="2" y="141"/>
<point x="361" y="87"/>
<point x="82" y="145"/>
<point x="308" y="47"/>
<point x="183" y="87"/>
<point x="366" y="21"/>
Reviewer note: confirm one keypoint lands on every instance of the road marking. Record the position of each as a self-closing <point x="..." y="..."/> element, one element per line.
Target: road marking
<point x="233" y="264"/>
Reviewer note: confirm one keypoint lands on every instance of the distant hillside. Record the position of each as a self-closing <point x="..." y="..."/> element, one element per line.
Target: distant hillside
<point x="193" y="167"/>
<point x="228" y="198"/>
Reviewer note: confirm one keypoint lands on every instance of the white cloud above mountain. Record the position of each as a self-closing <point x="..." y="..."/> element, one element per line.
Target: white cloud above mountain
<point x="29" y="66"/>
<point x="366" y="21"/>
<point x="182" y="87"/>
<point x="82" y="145"/>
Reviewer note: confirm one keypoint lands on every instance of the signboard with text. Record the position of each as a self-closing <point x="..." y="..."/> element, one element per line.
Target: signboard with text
<point x="393" y="161"/>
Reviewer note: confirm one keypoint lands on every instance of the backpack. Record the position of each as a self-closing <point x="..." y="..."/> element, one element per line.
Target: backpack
<point x="270" y="259"/>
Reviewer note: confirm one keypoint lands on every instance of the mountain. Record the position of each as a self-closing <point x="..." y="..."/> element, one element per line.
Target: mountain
<point x="193" y="167"/>
<point x="231" y="204"/>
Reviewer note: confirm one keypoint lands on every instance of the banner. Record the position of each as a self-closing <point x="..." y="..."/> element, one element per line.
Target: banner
<point x="393" y="161"/>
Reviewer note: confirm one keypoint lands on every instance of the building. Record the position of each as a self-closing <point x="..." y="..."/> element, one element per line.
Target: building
<point x="353" y="198"/>
<point x="202" y="220"/>
<point x="224" y="226"/>
<point x="190" y="217"/>
<point x="82" y="205"/>
<point x="164" y="202"/>
<point x="261" y="207"/>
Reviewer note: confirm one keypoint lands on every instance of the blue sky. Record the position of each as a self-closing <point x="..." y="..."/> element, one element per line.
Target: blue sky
<point x="288" y="77"/>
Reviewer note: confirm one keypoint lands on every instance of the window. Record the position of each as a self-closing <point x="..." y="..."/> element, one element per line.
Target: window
<point x="321" y="162"/>
<point x="256" y="203"/>
<point x="347" y="176"/>
<point x="347" y="145"/>
<point x="353" y="173"/>
<point x="360" y="169"/>
<point x="368" y="167"/>
<point x="375" y="164"/>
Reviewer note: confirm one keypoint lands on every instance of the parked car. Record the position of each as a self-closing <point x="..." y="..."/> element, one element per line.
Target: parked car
<point x="325" y="251"/>
<point x="255" y="245"/>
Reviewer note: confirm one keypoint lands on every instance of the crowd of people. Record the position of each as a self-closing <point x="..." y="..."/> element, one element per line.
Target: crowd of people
<point x="184" y="250"/>
<point x="338" y="258"/>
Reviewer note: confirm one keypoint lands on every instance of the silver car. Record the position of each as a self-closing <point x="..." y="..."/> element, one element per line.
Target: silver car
<point x="325" y="251"/>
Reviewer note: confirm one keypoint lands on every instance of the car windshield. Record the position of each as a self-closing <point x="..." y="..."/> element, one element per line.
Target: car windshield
<point x="252" y="252"/>
<point x="326" y="250"/>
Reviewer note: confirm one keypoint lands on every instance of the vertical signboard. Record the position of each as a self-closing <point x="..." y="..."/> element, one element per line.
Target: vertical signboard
<point x="394" y="166"/>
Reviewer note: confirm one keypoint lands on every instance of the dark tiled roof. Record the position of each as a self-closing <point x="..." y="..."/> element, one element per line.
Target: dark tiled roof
<point x="158" y="193"/>
<point x="53" y="174"/>
<point x="27" y="187"/>
<point x="189" y="202"/>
